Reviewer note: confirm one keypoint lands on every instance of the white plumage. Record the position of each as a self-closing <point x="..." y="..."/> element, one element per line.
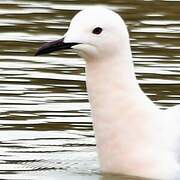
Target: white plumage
<point x="133" y="135"/>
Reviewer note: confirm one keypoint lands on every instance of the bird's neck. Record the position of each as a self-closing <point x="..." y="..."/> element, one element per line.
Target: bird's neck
<point x="113" y="88"/>
<point x="121" y="111"/>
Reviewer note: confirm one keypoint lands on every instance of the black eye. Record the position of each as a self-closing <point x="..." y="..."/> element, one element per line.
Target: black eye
<point x="97" y="30"/>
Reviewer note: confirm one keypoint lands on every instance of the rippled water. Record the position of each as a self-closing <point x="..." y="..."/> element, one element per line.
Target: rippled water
<point x="46" y="129"/>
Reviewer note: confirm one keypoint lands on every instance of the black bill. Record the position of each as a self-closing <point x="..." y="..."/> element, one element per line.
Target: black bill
<point x="54" y="46"/>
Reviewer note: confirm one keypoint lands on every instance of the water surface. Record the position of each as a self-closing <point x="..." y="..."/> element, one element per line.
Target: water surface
<point x="46" y="129"/>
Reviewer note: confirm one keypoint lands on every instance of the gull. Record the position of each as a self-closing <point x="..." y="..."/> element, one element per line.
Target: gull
<point x="133" y="135"/>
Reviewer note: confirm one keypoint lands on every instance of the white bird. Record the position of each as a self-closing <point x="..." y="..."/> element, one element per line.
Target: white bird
<point x="133" y="135"/>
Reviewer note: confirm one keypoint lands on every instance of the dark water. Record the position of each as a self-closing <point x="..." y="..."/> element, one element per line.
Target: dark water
<point x="46" y="129"/>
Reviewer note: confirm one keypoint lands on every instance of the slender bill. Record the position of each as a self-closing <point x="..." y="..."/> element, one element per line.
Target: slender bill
<point x="54" y="46"/>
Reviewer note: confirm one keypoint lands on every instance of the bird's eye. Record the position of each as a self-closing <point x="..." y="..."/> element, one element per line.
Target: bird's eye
<point x="97" y="30"/>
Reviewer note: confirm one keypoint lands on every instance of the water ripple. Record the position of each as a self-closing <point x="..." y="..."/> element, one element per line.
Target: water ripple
<point x="46" y="128"/>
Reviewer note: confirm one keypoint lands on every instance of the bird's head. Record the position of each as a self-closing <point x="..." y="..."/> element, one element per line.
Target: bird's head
<point x="93" y="33"/>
